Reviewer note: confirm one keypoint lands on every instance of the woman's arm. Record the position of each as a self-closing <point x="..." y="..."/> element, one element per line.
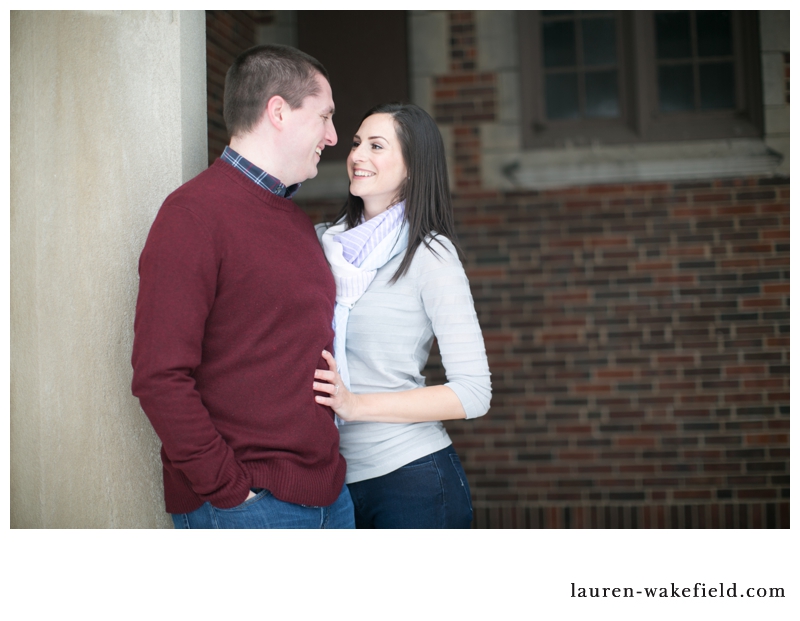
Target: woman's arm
<point x="444" y="292"/>
<point x="408" y="406"/>
<point x="446" y="297"/>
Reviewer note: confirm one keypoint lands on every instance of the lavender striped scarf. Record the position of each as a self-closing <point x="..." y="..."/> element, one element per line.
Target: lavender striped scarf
<point x="355" y="255"/>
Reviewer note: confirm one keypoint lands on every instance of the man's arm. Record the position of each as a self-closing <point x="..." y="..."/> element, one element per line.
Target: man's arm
<point x="178" y="280"/>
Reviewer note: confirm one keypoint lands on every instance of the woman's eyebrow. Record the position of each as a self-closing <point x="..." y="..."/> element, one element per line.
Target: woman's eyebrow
<point x="371" y="137"/>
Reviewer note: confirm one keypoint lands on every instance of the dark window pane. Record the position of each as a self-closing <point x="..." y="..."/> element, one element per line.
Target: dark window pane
<point x="673" y="39"/>
<point x="599" y="41"/>
<point x="675" y="88"/>
<point x="557" y="12"/>
<point x="561" y="95"/>
<point x="602" y="98"/>
<point x="559" y="44"/>
<point x="714" y="36"/>
<point x="717" y="86"/>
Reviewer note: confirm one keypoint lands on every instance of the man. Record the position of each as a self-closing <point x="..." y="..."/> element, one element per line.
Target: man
<point x="234" y="310"/>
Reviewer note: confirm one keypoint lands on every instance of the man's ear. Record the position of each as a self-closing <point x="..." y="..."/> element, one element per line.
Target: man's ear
<point x="277" y="111"/>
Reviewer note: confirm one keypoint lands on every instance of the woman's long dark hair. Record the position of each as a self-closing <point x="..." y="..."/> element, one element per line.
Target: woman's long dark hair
<point x="426" y="191"/>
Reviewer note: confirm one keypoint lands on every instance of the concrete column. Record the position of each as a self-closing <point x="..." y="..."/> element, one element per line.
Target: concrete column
<point x="429" y="56"/>
<point x="108" y="116"/>
<point x="428" y="44"/>
<point x="774" y="26"/>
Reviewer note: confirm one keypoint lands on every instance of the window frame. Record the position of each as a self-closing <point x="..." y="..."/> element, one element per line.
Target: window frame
<point x="640" y="120"/>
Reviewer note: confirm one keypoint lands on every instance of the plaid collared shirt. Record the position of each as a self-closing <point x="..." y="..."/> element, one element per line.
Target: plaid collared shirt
<point x="258" y="176"/>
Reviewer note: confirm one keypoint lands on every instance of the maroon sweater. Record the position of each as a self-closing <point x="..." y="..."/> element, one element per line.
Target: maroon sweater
<point x="235" y="307"/>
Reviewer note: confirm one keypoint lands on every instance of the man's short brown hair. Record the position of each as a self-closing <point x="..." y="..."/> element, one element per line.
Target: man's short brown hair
<point x="260" y="73"/>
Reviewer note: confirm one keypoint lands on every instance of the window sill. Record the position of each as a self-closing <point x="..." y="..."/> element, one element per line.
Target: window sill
<point x="548" y="168"/>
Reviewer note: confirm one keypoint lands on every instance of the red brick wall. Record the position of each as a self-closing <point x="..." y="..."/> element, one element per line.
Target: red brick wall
<point x="638" y="337"/>
<point x="464" y="98"/>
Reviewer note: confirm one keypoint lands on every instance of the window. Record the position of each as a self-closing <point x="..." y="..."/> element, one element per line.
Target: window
<point x="694" y="61"/>
<point x="580" y="65"/>
<point x="635" y="76"/>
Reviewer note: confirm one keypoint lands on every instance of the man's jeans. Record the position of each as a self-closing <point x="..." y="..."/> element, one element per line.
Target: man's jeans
<point x="265" y="511"/>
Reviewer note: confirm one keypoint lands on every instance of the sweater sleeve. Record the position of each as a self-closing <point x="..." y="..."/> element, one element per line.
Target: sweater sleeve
<point x="177" y="285"/>
<point x="446" y="297"/>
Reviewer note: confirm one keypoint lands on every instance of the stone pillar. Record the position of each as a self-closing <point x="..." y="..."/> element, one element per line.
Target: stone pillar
<point x="775" y="75"/>
<point x="108" y="116"/>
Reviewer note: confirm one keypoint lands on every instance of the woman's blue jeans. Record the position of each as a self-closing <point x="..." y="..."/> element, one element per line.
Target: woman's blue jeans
<point x="265" y="511"/>
<point x="430" y="492"/>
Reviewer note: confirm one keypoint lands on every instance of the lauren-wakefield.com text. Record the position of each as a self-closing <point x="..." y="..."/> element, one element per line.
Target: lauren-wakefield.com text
<point x="700" y="589"/>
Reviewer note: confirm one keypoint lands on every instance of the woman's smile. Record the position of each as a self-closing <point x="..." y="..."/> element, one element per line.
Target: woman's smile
<point x="375" y="165"/>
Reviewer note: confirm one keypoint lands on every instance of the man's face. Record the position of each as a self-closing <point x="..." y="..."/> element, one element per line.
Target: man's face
<point x="309" y="130"/>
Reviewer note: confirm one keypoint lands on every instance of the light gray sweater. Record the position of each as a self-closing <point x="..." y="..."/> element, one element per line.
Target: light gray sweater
<point x="389" y="336"/>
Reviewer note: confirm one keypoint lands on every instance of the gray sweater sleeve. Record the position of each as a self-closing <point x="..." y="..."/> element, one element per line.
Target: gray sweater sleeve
<point x="444" y="291"/>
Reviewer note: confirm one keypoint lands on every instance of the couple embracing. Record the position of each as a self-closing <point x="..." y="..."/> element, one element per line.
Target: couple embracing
<point x="281" y="365"/>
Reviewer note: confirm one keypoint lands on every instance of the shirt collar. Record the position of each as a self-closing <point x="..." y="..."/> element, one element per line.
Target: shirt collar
<point x="258" y="176"/>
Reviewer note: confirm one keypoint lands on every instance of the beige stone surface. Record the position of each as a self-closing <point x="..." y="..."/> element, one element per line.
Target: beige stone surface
<point x="774" y="27"/>
<point x="780" y="145"/>
<point x="549" y="168"/>
<point x="497" y="36"/>
<point x="107" y="117"/>
<point x="776" y="120"/>
<point x="774" y="80"/>
<point x="428" y="33"/>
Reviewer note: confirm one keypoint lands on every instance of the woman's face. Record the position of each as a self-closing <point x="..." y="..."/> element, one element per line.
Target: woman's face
<point x="375" y="164"/>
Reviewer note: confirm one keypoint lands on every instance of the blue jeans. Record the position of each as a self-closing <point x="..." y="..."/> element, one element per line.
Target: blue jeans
<point x="265" y="511"/>
<point x="431" y="492"/>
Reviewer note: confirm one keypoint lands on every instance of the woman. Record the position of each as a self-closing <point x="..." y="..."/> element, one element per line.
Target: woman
<point x="400" y="283"/>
